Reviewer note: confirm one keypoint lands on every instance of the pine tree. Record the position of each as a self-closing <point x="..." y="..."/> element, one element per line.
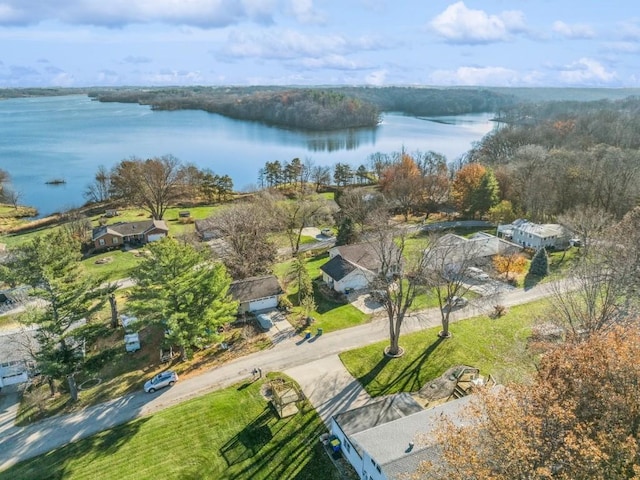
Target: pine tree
<point x="50" y="265"/>
<point x="346" y="232"/>
<point x="486" y="196"/>
<point x="540" y="263"/>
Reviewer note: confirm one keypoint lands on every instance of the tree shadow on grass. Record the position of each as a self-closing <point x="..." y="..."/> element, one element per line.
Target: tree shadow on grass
<point x="58" y="465"/>
<point x="250" y="440"/>
<point x="408" y="379"/>
<point x="269" y="462"/>
<point x="531" y="281"/>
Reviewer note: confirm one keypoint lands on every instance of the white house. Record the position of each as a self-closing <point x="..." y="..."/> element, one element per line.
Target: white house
<point x="351" y="267"/>
<point x="389" y="439"/>
<point x="535" y="235"/>
<point x="256" y="293"/>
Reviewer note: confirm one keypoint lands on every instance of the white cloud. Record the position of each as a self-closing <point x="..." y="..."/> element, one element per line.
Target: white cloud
<point x="459" y="24"/>
<point x="173" y="77"/>
<point x="622" y="47"/>
<point x="630" y="30"/>
<point x="573" y="31"/>
<point x="116" y="13"/>
<point x="586" y="71"/>
<point x="290" y="44"/>
<point x="304" y="12"/>
<point x="336" y="62"/>
<point x="487" y="76"/>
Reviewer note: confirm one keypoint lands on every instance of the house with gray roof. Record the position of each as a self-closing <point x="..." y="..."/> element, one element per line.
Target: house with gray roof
<point x="131" y="233"/>
<point x="256" y="293"/>
<point x="391" y="438"/>
<point x="535" y="235"/>
<point x="351" y="267"/>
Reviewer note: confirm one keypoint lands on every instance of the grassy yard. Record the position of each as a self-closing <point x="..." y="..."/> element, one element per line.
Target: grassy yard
<point x="495" y="346"/>
<point x="228" y="434"/>
<point x="111" y="372"/>
<point x="115" y="265"/>
<point x="330" y="314"/>
<point x="177" y="226"/>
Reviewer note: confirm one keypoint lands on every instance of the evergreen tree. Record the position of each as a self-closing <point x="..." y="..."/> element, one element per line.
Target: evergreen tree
<point x="540" y="263"/>
<point x="300" y="276"/>
<point x="181" y="288"/>
<point x="486" y="195"/>
<point x="50" y="265"/>
<point x="346" y="232"/>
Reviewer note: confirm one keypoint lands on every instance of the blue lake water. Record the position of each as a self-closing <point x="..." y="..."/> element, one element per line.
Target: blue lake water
<point x="69" y="137"/>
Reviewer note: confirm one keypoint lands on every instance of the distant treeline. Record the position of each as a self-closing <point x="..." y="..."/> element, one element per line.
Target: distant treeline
<point x="313" y="109"/>
<point x="309" y="109"/>
<point x="555" y="156"/>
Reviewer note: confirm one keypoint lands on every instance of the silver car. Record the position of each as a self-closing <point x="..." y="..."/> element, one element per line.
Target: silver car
<point x="161" y="380"/>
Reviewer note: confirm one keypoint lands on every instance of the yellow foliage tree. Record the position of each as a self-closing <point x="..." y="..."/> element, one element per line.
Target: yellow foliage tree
<point x="512" y="263"/>
<point x="466" y="182"/>
<point x="578" y="419"/>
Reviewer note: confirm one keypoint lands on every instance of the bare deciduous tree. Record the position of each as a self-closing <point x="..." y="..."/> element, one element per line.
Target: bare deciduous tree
<point x="447" y="260"/>
<point x="400" y="278"/>
<point x="587" y="223"/>
<point x="359" y="205"/>
<point x="245" y="228"/>
<point x="153" y="184"/>
<point x="11" y="196"/>
<point x="304" y="211"/>
<point x="100" y="189"/>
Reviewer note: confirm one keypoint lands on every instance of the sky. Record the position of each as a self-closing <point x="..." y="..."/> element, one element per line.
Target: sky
<point x="516" y="43"/>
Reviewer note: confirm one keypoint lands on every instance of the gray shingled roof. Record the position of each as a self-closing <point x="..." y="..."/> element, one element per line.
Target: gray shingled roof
<point x="388" y="442"/>
<point x="361" y="254"/>
<point x="253" y="288"/>
<point x="124" y="229"/>
<point x="338" y="268"/>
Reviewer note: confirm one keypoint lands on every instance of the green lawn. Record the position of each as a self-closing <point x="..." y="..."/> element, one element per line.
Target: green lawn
<point x="330" y="315"/>
<point x="118" y="264"/>
<point x="228" y="434"/>
<point x="495" y="346"/>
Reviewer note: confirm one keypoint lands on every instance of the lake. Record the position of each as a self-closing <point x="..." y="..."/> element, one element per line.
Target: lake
<point x="68" y="137"/>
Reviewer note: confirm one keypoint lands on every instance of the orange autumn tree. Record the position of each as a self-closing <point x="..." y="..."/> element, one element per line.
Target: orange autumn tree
<point x="403" y="185"/>
<point x="509" y="264"/>
<point x="465" y="183"/>
<point x="578" y="419"/>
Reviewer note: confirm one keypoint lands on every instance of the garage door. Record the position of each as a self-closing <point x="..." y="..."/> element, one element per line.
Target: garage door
<point x="13" y="372"/>
<point x="13" y="379"/>
<point x="263" y="304"/>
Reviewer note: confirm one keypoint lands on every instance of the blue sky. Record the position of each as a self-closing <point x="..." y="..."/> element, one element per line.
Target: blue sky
<point x="75" y="43"/>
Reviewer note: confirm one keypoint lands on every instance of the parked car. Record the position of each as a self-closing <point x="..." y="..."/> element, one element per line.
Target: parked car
<point x="264" y="321"/>
<point x="327" y="232"/>
<point x="477" y="274"/>
<point x="456" y="302"/>
<point x="161" y="380"/>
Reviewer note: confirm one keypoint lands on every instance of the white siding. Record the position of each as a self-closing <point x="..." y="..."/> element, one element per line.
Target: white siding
<point x="263" y="304"/>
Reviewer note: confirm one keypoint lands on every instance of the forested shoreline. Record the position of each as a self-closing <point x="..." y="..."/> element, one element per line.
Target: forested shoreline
<point x="313" y="109"/>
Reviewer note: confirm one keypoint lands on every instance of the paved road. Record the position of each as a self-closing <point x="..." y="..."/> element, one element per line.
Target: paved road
<point x="18" y="444"/>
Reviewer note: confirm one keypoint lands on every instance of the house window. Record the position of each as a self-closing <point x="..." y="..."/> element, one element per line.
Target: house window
<point x="347" y="446"/>
<point x="101" y="241"/>
<point x="115" y="240"/>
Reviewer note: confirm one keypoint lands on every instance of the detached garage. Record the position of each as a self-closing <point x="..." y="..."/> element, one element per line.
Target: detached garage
<point x="256" y="293"/>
